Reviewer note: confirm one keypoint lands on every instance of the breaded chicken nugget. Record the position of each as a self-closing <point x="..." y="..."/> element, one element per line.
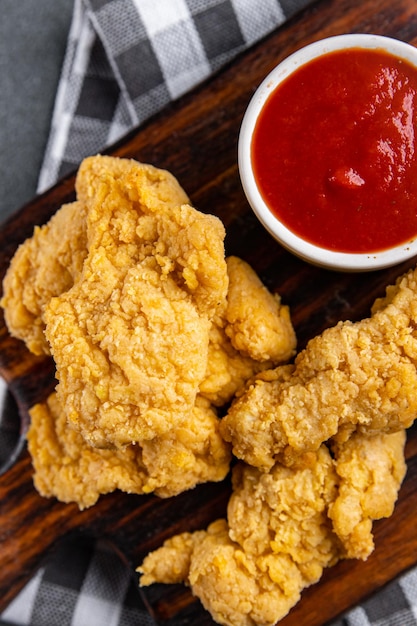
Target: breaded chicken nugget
<point x="129" y="366"/>
<point x="355" y="376"/>
<point x="67" y="468"/>
<point x="257" y="324"/>
<point x="44" y="266"/>
<point x="131" y="204"/>
<point x="227" y="369"/>
<point x="252" y="333"/>
<point x="283" y="528"/>
<point x="370" y="471"/>
<point x="48" y="263"/>
<point x="130" y="337"/>
<point x="251" y="569"/>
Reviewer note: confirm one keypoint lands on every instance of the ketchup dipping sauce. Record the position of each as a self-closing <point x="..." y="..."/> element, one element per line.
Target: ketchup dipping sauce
<point x="328" y="152"/>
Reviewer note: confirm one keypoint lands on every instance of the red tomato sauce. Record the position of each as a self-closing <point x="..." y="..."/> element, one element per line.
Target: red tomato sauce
<point x="334" y="151"/>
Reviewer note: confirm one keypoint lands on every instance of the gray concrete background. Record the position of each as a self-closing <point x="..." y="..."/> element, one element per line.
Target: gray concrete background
<point x="33" y="35"/>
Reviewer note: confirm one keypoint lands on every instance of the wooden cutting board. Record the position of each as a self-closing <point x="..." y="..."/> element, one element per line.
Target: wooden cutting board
<point x="196" y="139"/>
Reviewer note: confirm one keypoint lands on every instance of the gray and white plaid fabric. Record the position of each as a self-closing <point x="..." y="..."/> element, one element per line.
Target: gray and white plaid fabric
<point x="396" y="605"/>
<point x="125" y="60"/>
<point x="84" y="583"/>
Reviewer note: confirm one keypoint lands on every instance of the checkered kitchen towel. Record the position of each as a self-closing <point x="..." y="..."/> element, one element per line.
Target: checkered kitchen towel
<point x="85" y="582"/>
<point x="125" y="60"/>
<point x="396" y="605"/>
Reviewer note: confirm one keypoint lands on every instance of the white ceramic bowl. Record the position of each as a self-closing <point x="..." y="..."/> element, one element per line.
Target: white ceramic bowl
<point x="309" y="252"/>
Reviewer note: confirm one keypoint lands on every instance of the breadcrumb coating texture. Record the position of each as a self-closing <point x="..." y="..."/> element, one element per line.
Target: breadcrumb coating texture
<point x="44" y="266"/>
<point x="370" y="471"/>
<point x="251" y="332"/>
<point x="283" y="528"/>
<point x="69" y="469"/>
<point x="130" y="337"/>
<point x="48" y="263"/>
<point x="255" y="318"/>
<point x="251" y="568"/>
<point x="357" y="376"/>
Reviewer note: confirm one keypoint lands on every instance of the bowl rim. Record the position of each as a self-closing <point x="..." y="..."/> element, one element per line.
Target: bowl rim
<point x="308" y="251"/>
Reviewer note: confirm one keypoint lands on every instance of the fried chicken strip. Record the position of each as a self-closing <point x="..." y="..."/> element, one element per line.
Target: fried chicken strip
<point x="251" y="334"/>
<point x="257" y="324"/>
<point x="48" y="263"/>
<point x="358" y="376"/>
<point x="67" y="468"/>
<point x="370" y="472"/>
<point x="283" y="528"/>
<point x="130" y="337"/>
<point x="44" y="266"/>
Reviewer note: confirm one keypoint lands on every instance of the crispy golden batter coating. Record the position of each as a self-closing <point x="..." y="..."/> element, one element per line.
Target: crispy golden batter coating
<point x="227" y="369"/>
<point x="257" y="324"/>
<point x="48" y="263"/>
<point x="130" y="337"/>
<point x="250" y="569"/>
<point x="138" y="209"/>
<point x="370" y="471"/>
<point x="67" y="468"/>
<point x="283" y="528"/>
<point x="44" y="266"/>
<point x="250" y="333"/>
<point x="353" y="377"/>
<point x="130" y="372"/>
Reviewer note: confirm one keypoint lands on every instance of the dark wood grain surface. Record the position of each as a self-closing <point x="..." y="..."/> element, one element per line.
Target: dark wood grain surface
<point x="196" y="139"/>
